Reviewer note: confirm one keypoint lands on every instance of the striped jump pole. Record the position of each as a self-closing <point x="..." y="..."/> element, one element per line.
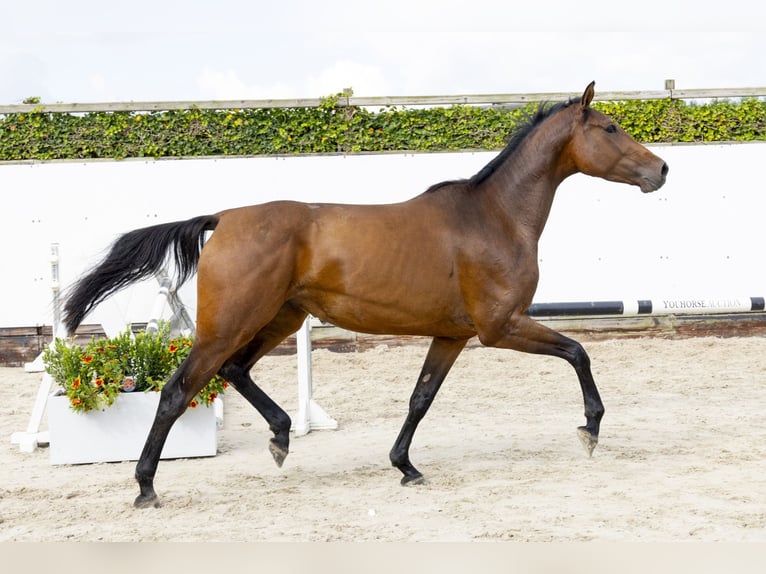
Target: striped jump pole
<point x="661" y="306"/>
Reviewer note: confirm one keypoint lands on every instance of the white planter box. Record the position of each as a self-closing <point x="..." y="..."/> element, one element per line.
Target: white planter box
<point x="118" y="433"/>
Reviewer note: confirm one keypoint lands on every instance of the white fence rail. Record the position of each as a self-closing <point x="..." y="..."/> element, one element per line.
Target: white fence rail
<point x="429" y="101"/>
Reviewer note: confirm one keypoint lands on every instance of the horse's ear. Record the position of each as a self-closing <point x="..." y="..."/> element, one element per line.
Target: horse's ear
<point x="587" y="96"/>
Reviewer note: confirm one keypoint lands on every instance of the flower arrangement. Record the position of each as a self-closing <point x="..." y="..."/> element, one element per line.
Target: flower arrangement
<point x="92" y="377"/>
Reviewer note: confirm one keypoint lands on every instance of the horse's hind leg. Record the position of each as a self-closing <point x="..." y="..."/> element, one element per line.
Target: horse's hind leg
<point x="236" y="370"/>
<point x="185" y="382"/>
<point x="441" y="356"/>
<point x="279" y="421"/>
<point x="190" y="377"/>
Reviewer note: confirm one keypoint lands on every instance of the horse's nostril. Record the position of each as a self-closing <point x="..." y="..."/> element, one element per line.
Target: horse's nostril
<point x="665" y="169"/>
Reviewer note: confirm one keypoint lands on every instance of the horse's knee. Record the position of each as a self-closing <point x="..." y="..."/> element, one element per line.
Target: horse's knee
<point x="579" y="356"/>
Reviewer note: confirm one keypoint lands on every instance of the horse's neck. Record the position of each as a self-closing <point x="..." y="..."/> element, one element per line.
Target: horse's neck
<point x="525" y="184"/>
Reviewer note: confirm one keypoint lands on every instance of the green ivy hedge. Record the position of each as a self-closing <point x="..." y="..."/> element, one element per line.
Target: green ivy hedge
<point x="331" y="128"/>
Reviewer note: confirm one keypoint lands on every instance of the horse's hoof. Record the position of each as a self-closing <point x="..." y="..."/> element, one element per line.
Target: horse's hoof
<point x="588" y="440"/>
<point x="414" y="480"/>
<point x="147" y="501"/>
<point x="279" y="453"/>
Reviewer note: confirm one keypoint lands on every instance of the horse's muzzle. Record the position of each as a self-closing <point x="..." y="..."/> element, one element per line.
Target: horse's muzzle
<point x="653" y="183"/>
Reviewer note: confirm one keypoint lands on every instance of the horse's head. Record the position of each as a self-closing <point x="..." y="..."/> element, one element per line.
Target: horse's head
<point x="601" y="148"/>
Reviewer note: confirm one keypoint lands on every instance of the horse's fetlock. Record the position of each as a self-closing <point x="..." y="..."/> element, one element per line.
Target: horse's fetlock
<point x="398" y="459"/>
<point x="281" y="424"/>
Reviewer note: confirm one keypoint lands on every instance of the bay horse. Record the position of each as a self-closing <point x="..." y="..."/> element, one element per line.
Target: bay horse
<point x="458" y="261"/>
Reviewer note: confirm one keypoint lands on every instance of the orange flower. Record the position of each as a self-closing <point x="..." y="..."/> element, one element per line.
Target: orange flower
<point x="212" y="396"/>
<point x="87" y="359"/>
<point x="111" y="346"/>
<point x="99" y="382"/>
<point x="172" y="348"/>
<point x="76" y="401"/>
<point x="76" y="383"/>
<point x="225" y="384"/>
<point x="193" y="404"/>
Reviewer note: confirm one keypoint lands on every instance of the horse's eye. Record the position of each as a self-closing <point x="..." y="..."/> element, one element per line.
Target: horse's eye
<point x="611" y="128"/>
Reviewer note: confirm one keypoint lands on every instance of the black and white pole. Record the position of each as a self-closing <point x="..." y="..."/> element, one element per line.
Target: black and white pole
<point x="56" y="328"/>
<point x="659" y="306"/>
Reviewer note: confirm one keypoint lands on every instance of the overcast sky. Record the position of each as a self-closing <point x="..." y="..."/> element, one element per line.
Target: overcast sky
<point x="87" y="51"/>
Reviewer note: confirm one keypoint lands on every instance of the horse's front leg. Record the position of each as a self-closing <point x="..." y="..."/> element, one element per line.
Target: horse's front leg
<point x="525" y="334"/>
<point x="441" y="356"/>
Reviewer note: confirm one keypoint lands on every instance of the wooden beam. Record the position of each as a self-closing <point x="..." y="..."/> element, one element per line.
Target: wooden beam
<point x="426" y="101"/>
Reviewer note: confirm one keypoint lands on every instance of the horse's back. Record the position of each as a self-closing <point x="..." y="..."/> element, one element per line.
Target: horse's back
<point x="334" y="226"/>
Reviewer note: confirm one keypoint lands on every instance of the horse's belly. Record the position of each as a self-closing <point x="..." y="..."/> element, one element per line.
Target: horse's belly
<point x="388" y="317"/>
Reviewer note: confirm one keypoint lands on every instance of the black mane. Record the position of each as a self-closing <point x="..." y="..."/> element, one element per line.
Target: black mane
<point x="518" y="135"/>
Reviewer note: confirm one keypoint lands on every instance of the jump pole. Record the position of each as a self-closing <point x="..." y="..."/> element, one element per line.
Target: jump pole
<point x="658" y="306"/>
<point x="181" y="320"/>
<point x="310" y="415"/>
<point x="29" y="439"/>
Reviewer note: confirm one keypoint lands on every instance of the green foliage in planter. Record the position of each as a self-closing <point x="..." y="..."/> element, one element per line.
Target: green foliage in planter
<point x="93" y="376"/>
<point x="331" y="128"/>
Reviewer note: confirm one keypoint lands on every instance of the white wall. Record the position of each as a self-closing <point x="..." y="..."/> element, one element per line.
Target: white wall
<point x="700" y="235"/>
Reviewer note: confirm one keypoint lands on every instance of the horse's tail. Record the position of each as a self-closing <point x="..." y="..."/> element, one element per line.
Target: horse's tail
<point x="138" y="255"/>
